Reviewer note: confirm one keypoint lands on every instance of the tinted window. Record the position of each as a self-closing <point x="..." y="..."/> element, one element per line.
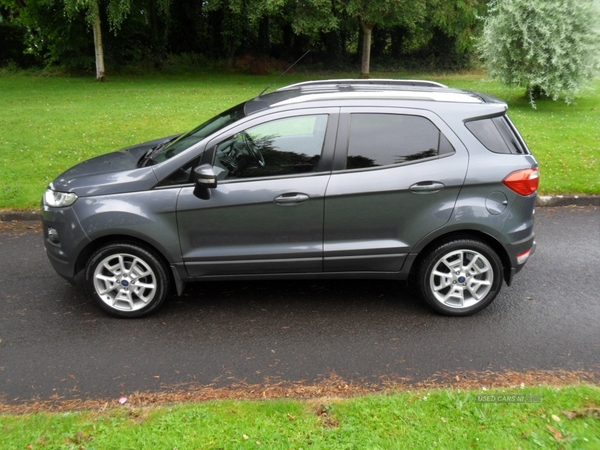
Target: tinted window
<point x="281" y="147"/>
<point x="386" y="139"/>
<point x="496" y="134"/>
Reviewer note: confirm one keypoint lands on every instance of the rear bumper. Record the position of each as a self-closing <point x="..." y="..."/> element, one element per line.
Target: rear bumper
<point x="519" y="256"/>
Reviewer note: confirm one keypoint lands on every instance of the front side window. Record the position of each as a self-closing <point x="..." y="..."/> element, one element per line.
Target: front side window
<point x="387" y="139"/>
<point x="288" y="146"/>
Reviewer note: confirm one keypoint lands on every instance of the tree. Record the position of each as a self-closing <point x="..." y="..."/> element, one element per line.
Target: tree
<point x="380" y="12"/>
<point x="116" y="11"/>
<point x="93" y="17"/>
<point x="551" y="47"/>
<point x="453" y="25"/>
<point x="312" y="17"/>
<point x="244" y="24"/>
<point x="156" y="32"/>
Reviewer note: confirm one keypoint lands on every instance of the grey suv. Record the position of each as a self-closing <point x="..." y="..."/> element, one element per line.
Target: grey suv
<point x="386" y="179"/>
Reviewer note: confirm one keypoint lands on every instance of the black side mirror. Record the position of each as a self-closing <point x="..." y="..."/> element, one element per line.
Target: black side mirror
<point x="206" y="179"/>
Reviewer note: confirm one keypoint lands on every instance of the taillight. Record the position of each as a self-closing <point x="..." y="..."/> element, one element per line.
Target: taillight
<point x="523" y="182"/>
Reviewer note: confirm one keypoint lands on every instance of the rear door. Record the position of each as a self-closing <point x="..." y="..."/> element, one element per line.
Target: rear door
<point x="397" y="174"/>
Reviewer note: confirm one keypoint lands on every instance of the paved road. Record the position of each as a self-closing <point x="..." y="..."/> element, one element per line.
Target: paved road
<point x="54" y="341"/>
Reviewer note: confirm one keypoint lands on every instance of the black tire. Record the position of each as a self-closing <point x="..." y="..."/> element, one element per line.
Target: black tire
<point x="460" y="277"/>
<point x="127" y="280"/>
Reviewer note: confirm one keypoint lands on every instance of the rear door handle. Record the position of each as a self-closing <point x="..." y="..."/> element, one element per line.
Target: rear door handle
<point x="427" y="187"/>
<point x="291" y="199"/>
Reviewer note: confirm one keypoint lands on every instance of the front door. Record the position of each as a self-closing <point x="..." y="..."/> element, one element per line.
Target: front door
<point x="266" y="214"/>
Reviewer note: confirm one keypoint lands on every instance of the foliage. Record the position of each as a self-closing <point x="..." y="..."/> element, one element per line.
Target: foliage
<point x="551" y="47"/>
<point x="54" y="41"/>
<point x="117" y="10"/>
<point x="12" y="45"/>
<point x="380" y="12"/>
<point x="453" y="27"/>
<point x="314" y="17"/>
<point x="142" y="35"/>
<point x="458" y="19"/>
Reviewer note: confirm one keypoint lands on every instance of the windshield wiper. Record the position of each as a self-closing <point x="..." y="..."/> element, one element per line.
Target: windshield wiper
<point x="144" y="160"/>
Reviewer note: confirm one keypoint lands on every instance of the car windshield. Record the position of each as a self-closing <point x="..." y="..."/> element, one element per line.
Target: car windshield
<point x="197" y="134"/>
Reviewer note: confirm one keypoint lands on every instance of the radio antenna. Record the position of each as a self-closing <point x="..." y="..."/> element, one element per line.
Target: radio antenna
<point x="286" y="71"/>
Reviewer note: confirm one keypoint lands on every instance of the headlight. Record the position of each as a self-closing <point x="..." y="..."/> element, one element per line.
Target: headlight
<point x="59" y="199"/>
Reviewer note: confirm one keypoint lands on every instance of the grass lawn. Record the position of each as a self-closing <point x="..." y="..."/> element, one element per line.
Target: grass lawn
<point x="561" y="418"/>
<point x="48" y="124"/>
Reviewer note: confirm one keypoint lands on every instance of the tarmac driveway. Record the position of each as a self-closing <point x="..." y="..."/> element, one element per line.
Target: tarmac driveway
<point x="54" y="342"/>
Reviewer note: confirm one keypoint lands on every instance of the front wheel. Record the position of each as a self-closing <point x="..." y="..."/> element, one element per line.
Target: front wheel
<point x="460" y="277"/>
<point x="127" y="280"/>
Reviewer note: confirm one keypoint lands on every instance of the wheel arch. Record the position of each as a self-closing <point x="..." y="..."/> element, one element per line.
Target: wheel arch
<point x="481" y="236"/>
<point x="86" y="253"/>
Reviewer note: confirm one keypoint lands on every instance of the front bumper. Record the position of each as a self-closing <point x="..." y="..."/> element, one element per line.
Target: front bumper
<point x="63" y="240"/>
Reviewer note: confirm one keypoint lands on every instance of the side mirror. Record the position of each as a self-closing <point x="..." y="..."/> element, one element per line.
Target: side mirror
<point x="206" y="179"/>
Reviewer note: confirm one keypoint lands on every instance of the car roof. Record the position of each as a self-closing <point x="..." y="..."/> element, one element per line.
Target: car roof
<point x="369" y="89"/>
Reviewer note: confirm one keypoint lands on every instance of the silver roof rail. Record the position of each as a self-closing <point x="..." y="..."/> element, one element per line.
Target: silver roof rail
<point x="366" y="82"/>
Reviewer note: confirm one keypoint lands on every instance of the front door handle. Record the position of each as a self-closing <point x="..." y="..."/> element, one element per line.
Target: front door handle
<point x="427" y="187"/>
<point x="291" y="199"/>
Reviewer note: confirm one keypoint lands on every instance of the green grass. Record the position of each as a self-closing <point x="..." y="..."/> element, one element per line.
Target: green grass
<point x="565" y="418"/>
<point x="48" y="124"/>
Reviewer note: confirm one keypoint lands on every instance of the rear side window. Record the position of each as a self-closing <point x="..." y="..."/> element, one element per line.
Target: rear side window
<point x="497" y="135"/>
<point x="387" y="139"/>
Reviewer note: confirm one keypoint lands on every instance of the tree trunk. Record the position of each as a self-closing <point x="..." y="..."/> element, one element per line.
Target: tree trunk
<point x="100" y="75"/>
<point x="367" y="28"/>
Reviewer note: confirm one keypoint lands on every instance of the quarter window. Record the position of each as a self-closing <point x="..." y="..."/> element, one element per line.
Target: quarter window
<point x="496" y="134"/>
<point x="286" y="146"/>
<point x="387" y="139"/>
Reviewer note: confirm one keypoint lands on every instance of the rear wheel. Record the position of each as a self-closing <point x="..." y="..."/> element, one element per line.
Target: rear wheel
<point x="127" y="280"/>
<point x="460" y="277"/>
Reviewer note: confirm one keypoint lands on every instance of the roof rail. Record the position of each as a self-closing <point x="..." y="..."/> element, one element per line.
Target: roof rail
<point x="363" y="82"/>
<point x="448" y="95"/>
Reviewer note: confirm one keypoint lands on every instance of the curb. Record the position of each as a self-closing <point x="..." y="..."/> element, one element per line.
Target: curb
<point x="10" y="216"/>
<point x="568" y="200"/>
<point x="542" y="200"/>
